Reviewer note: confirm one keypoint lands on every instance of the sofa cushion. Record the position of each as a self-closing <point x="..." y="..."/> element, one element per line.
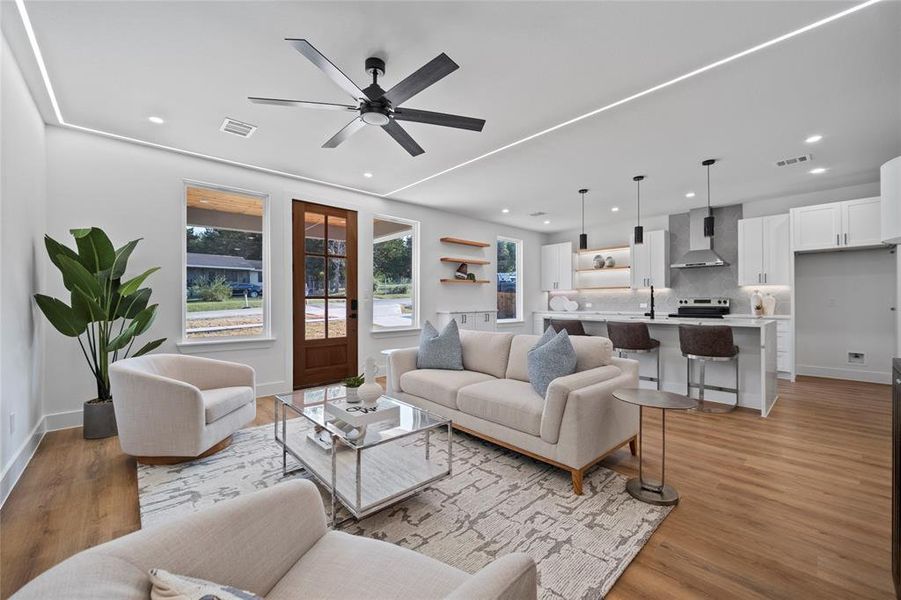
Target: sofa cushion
<point x="342" y="566"/>
<point x="591" y="351"/>
<point x="440" y="350"/>
<point x="439" y="385"/>
<point x="506" y="402"/>
<point x="220" y="401"/>
<point x="486" y="351"/>
<point x="550" y="359"/>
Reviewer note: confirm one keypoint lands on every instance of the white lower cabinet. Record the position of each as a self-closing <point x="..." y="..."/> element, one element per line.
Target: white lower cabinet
<point x="784" y="346"/>
<point x="479" y="320"/>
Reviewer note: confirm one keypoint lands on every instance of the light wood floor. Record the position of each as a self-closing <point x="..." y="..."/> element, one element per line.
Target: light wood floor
<point x="793" y="506"/>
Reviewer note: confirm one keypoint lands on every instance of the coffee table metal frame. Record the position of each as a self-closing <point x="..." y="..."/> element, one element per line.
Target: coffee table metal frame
<point x="283" y="404"/>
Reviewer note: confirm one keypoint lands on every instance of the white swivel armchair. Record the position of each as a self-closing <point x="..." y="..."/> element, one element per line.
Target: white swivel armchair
<point x="171" y="407"/>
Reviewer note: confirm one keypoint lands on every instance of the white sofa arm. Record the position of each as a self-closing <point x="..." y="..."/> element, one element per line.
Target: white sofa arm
<point x="558" y="392"/>
<point x="511" y="577"/>
<point x="629" y="366"/>
<point x="400" y="361"/>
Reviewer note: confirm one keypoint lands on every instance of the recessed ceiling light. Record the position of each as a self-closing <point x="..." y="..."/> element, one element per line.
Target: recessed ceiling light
<point x="614" y="209"/>
<point x="156" y="120"/>
<point x="818" y="170"/>
<point x="814" y="139"/>
<point x="690" y="195"/>
<point x="505" y="210"/>
<point x="367" y="175"/>
<point x="546" y="222"/>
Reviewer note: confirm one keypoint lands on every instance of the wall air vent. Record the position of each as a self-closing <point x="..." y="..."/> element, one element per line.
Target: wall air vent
<point x="540" y="213"/>
<point x="232" y="126"/>
<point x="794" y="160"/>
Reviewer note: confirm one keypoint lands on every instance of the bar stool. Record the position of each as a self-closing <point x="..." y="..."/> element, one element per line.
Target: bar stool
<point x="571" y="326"/>
<point x="705" y="343"/>
<point x="634" y="338"/>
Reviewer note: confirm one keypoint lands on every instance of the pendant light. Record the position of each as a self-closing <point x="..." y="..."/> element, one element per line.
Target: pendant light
<point x="583" y="237"/>
<point x="639" y="230"/>
<point x="708" y="220"/>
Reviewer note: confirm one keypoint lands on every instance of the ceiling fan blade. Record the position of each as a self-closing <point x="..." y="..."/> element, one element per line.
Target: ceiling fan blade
<point x="403" y="138"/>
<point x="303" y="103"/>
<point x="434" y="70"/>
<point x="436" y="118"/>
<point x="330" y="70"/>
<point x="349" y="129"/>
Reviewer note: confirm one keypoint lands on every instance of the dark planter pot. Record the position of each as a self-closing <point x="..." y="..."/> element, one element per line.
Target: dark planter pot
<point x="99" y="420"/>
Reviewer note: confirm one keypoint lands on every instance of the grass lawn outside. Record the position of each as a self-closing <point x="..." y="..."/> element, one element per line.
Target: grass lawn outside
<point x="232" y="304"/>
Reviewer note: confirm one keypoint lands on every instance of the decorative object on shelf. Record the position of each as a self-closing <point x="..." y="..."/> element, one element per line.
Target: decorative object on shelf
<point x="639" y="230"/>
<point x="462" y="271"/>
<point x="609" y="262"/>
<point x="583" y="237"/>
<point x="108" y="311"/>
<point x="471" y="276"/>
<point x="571" y="305"/>
<point x="352" y="385"/>
<point x="756" y="303"/>
<point x="371" y="390"/>
<point x="769" y="304"/>
<point x="558" y="303"/>
<point x="598" y="261"/>
<point x="708" y="220"/>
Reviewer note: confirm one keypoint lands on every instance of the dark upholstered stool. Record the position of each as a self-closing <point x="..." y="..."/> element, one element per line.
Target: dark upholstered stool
<point x="571" y="326"/>
<point x="705" y="343"/>
<point x="634" y="338"/>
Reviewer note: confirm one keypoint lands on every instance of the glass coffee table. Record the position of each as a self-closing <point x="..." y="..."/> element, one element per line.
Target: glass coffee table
<point x="367" y="467"/>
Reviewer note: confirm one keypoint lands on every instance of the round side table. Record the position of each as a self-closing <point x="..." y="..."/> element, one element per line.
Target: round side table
<point x="640" y="488"/>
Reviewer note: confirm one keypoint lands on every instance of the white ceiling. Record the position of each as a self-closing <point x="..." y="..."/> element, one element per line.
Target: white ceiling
<point x="524" y="67"/>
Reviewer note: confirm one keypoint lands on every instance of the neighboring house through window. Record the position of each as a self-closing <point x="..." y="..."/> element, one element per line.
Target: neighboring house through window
<point x="395" y="273"/>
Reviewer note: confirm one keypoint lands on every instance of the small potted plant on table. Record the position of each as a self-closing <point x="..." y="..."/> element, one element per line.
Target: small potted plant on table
<point x="353" y="386"/>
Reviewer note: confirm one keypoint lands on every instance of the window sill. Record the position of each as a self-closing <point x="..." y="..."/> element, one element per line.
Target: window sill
<point x="222" y="345"/>
<point x="399" y="331"/>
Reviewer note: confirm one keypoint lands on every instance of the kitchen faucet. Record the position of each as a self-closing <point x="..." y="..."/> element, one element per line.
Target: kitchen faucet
<point x="651" y="313"/>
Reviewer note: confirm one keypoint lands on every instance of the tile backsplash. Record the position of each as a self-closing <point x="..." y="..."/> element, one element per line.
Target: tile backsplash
<point x="686" y="283"/>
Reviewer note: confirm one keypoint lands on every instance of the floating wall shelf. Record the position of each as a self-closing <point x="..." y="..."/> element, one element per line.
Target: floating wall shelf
<point x="469" y="261"/>
<point x="469" y="281"/>
<point x="462" y="242"/>
<point x="605" y="269"/>
<point x="607" y="249"/>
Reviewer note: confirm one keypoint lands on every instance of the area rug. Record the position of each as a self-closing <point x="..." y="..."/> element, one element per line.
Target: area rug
<point x="496" y="502"/>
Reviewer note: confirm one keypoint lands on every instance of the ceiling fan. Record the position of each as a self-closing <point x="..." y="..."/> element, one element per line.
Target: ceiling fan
<point x="377" y="107"/>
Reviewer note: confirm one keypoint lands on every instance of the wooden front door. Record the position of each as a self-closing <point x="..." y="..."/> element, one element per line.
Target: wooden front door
<point x="325" y="294"/>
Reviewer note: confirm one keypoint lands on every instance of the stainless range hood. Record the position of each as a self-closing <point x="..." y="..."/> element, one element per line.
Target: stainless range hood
<point x="700" y="252"/>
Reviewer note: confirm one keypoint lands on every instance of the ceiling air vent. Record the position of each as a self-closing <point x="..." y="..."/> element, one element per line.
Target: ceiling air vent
<point x="232" y="126"/>
<point x="794" y="160"/>
<point x="540" y="213"/>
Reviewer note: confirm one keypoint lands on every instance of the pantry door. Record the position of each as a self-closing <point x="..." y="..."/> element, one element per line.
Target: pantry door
<point x="325" y="293"/>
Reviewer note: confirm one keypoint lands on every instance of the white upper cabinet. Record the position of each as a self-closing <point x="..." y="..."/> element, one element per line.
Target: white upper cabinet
<point x="764" y="254"/>
<point x="837" y="226"/>
<point x="650" y="260"/>
<point x="890" y="193"/>
<point x="557" y="267"/>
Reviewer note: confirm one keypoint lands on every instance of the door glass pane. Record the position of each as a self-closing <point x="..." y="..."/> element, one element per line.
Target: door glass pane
<point x="314" y="319"/>
<point x="337" y="277"/>
<point x="337" y="318"/>
<point x="314" y="270"/>
<point x="337" y="236"/>
<point x="314" y="233"/>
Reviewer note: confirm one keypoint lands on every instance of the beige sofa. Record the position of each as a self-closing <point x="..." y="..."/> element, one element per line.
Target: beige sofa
<point x="172" y="407"/>
<point x="275" y="543"/>
<point x="573" y="427"/>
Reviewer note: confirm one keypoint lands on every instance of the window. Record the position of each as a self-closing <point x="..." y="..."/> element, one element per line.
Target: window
<point x="395" y="273"/>
<point x="226" y="287"/>
<point x="509" y="279"/>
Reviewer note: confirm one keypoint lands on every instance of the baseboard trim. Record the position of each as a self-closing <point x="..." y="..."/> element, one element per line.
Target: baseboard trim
<point x="20" y="461"/>
<point x="850" y="374"/>
<point x="63" y="420"/>
<point x="272" y="387"/>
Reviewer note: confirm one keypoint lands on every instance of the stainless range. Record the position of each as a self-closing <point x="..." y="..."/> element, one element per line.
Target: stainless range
<point x="704" y="308"/>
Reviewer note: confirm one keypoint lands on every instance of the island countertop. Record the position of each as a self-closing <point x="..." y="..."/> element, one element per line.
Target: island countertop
<point x="731" y="321"/>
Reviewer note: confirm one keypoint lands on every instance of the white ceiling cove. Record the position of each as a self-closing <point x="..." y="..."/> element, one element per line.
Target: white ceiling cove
<point x="524" y="67"/>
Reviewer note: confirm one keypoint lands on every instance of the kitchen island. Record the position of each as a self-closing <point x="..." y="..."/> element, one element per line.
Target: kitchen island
<point x="755" y="338"/>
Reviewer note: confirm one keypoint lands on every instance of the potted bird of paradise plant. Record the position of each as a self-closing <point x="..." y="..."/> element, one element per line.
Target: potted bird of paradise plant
<point x="106" y="312"/>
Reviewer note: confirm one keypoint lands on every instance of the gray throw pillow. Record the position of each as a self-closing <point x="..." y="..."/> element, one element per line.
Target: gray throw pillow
<point x="552" y="357"/>
<point x="169" y="586"/>
<point x="440" y="350"/>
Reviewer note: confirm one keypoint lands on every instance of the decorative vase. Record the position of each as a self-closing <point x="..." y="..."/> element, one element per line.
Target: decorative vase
<point x="598" y="261"/>
<point x="99" y="420"/>
<point x="371" y="390"/>
<point x="769" y="305"/>
<point x="610" y="262"/>
<point x="352" y="395"/>
<point x="462" y="271"/>
<point x="756" y="304"/>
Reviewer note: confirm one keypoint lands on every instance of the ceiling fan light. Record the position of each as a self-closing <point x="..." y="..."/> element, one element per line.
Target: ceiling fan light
<point x="638" y="236"/>
<point x="375" y="118"/>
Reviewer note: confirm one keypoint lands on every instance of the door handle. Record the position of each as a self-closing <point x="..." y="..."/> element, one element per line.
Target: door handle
<point x="758" y="278"/>
<point x="764" y="278"/>
<point x="353" y="304"/>
<point x="837" y="240"/>
<point x="846" y="239"/>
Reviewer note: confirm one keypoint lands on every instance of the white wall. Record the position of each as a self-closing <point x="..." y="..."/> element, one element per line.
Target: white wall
<point x="782" y="204"/>
<point x="134" y="191"/>
<point x="844" y="302"/>
<point x="22" y="215"/>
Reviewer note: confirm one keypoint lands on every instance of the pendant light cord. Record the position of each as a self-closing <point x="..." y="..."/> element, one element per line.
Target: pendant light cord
<point x="583" y="212"/>
<point x="638" y="204"/>
<point x="709" y="211"/>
